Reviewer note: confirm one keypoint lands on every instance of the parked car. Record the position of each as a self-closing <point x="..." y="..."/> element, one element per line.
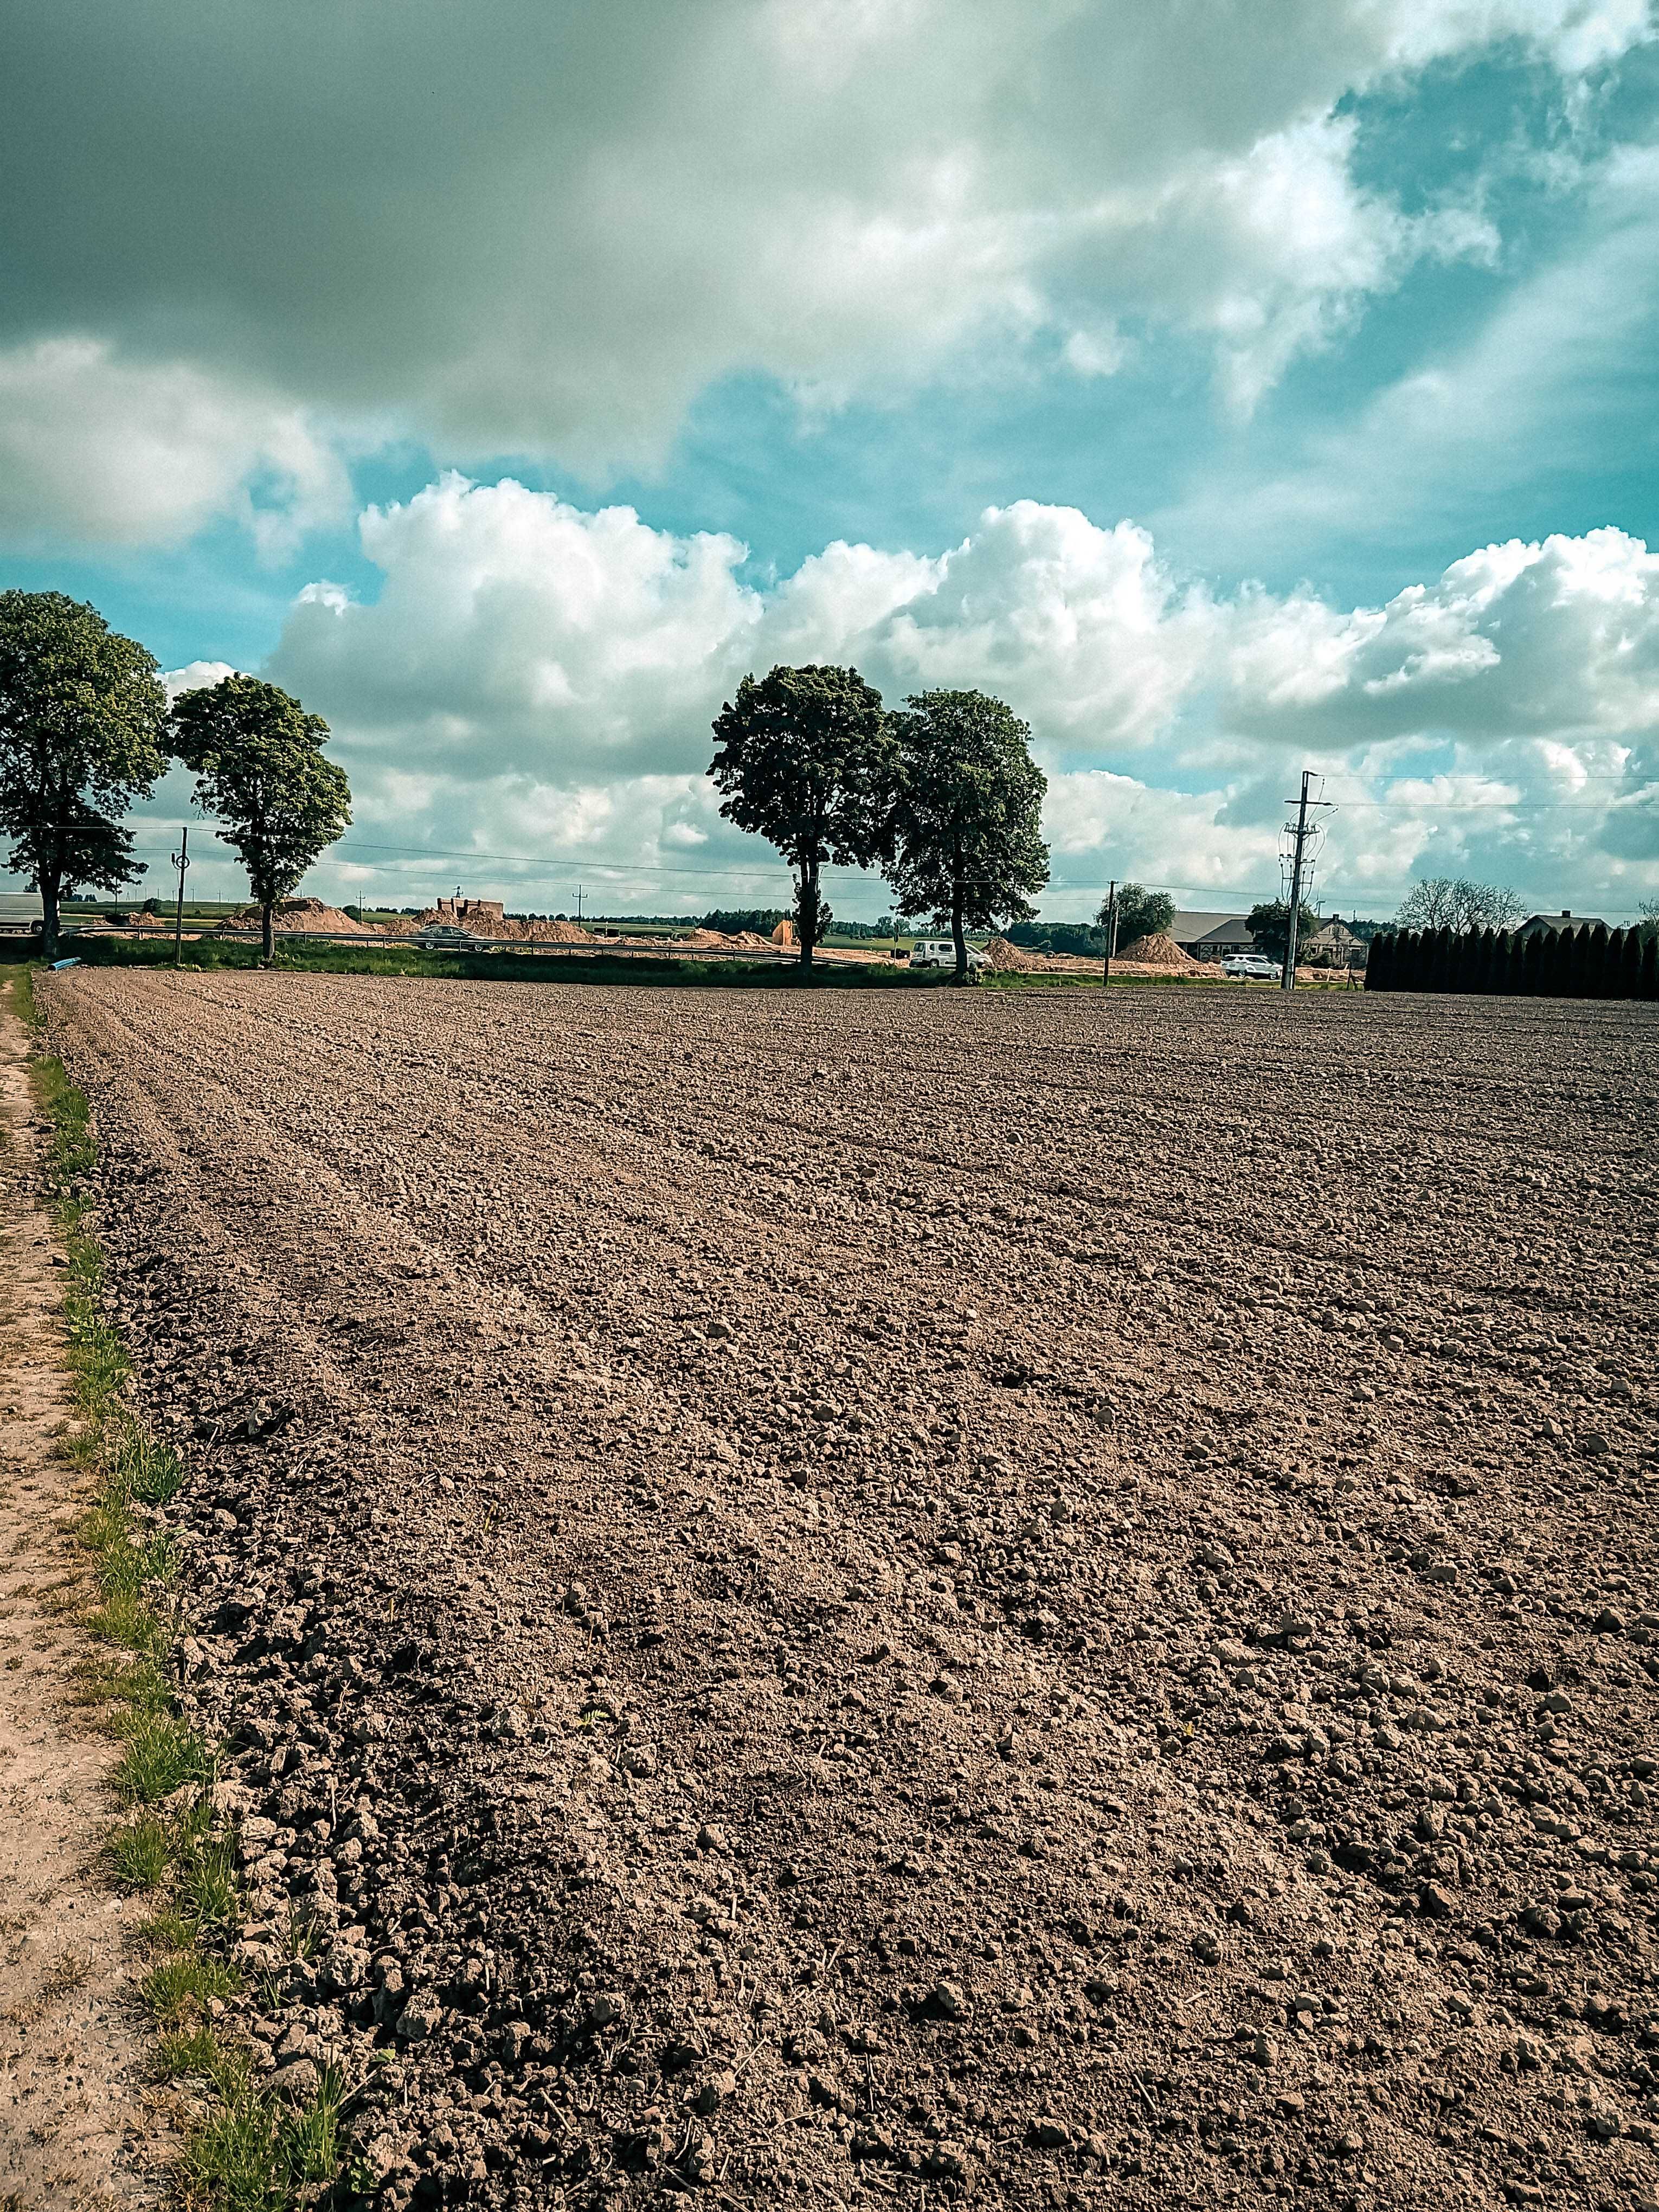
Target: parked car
<point x="938" y="955"/>
<point x="1252" y="968"/>
<point x="444" y="937"/>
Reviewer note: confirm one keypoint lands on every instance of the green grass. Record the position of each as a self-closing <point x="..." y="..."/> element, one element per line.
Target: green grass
<point x="140" y="1856"/>
<point x="254" y="2155"/>
<point x="660" y="970"/>
<point x="162" y="1754"/>
<point x="178" y="1990"/>
<point x="250" y="2153"/>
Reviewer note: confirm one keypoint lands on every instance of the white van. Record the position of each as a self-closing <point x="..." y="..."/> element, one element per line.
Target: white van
<point x="938" y="955"/>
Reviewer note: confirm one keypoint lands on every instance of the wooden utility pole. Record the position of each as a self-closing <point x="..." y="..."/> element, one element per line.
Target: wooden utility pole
<point x="1111" y="930"/>
<point x="1287" y="981"/>
<point x="181" y="861"/>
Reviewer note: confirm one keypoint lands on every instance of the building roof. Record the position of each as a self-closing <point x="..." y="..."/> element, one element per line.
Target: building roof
<point x="1195" y="925"/>
<point x="1333" y="931"/>
<point x="1231" y="929"/>
<point x="1566" y="919"/>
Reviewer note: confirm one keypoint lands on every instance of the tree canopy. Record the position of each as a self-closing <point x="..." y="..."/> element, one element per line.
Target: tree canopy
<point x="1457" y="903"/>
<point x="1269" y="924"/>
<point x="82" y="721"/>
<point x="804" y="759"/>
<point x="1140" y="913"/>
<point x="260" y="767"/>
<point x="967" y="844"/>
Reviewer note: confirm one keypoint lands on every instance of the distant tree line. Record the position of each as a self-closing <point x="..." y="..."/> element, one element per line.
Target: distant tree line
<point x="1590" y="962"/>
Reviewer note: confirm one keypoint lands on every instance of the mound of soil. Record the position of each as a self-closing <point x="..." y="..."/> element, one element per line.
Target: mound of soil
<point x="1014" y="960"/>
<point x="516" y="932"/>
<point x="785" y="934"/>
<point x="308" y="915"/>
<point x="1157" y="953"/>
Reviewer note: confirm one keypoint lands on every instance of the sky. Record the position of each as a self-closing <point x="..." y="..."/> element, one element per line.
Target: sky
<point x="1234" y="390"/>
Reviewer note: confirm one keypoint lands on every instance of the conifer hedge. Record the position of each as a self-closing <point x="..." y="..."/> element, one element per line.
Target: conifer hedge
<point x="1591" y="963"/>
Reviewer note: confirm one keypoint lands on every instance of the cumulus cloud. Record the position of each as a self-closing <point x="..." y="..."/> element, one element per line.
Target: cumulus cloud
<point x="536" y="677"/>
<point x="544" y="228"/>
<point x="94" y="450"/>
<point x="195" y="676"/>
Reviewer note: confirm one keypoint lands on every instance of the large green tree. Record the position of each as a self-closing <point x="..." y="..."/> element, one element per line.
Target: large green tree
<point x="1140" y="913"/>
<point x="966" y="830"/>
<point x="83" y="720"/>
<point x="1269" y="925"/>
<point x="260" y="767"/>
<point x="805" y="758"/>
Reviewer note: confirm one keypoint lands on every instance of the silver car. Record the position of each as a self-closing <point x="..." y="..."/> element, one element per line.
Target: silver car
<point x="1252" y="968"/>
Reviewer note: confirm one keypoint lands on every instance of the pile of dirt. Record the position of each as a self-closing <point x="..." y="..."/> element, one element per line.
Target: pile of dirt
<point x="784" y="934"/>
<point x="1014" y="960"/>
<point x="308" y="915"/>
<point x="1157" y="953"/>
<point x="511" y="930"/>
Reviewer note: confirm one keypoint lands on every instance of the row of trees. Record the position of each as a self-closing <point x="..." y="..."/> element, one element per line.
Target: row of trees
<point x="941" y="794"/>
<point x="86" y="730"/>
<point x="1552" y="963"/>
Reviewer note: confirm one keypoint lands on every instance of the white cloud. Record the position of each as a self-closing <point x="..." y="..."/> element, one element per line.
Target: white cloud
<point x="195" y="676"/>
<point x="534" y="678"/>
<point x="94" y="450"/>
<point x="605" y="210"/>
<point x="1543" y="389"/>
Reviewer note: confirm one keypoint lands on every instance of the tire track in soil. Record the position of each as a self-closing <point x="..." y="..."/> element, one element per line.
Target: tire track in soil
<point x="724" y="1598"/>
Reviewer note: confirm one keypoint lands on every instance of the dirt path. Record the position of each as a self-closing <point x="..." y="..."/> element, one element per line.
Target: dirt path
<point x="74" y="2100"/>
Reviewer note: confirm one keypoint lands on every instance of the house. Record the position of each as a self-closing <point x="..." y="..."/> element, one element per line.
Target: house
<point x="1332" y="946"/>
<point x="1212" y="936"/>
<point x="1566" y="919"/>
<point x="23" y="914"/>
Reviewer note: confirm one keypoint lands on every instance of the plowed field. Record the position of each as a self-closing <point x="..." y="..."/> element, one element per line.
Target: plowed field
<point x="1011" y="1599"/>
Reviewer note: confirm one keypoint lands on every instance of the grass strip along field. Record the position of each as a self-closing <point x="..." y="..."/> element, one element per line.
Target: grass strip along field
<point x="539" y="965"/>
<point x="246" y="2151"/>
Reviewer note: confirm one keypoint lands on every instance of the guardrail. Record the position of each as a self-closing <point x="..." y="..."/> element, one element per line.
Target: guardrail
<point x="602" y="948"/>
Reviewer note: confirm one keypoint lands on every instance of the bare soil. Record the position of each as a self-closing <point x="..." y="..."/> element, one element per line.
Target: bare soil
<point x="79" y="2124"/>
<point x="955" y="1597"/>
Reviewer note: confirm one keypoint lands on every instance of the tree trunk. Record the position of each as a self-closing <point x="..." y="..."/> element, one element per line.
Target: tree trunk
<point x="807" y="902"/>
<point x="51" y="886"/>
<point x="957" y="938"/>
<point x="267" y="931"/>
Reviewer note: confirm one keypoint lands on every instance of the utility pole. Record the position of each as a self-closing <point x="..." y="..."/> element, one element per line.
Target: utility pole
<point x="1287" y="981"/>
<point x="181" y="861"/>
<point x="579" y="905"/>
<point x="1111" y="931"/>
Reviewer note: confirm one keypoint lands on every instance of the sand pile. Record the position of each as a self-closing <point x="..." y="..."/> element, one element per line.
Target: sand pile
<point x="784" y="934"/>
<point x="508" y="930"/>
<point x="308" y="915"/>
<point x="1155" y="952"/>
<point x="1014" y="960"/>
